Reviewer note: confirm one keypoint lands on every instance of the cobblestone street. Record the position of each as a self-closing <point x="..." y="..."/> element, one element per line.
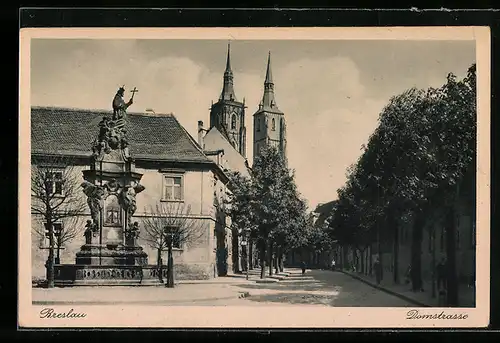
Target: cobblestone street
<point x="316" y="288"/>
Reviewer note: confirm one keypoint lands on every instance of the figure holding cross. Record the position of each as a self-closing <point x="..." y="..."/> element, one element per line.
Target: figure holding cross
<point x="119" y="105"/>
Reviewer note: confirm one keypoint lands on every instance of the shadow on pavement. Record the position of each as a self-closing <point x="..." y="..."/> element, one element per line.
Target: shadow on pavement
<point x="328" y="288"/>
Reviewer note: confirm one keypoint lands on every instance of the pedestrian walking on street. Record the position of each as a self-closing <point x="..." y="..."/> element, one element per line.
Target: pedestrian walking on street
<point x="303" y="267"/>
<point x="377" y="267"/>
<point x="333" y="264"/>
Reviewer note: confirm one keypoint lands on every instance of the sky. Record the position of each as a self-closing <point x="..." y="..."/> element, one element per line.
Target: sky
<point x="331" y="92"/>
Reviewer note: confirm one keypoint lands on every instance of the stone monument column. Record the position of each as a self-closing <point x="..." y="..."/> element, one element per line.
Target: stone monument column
<point x="111" y="185"/>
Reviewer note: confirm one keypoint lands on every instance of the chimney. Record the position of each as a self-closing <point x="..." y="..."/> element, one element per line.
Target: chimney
<point x="201" y="134"/>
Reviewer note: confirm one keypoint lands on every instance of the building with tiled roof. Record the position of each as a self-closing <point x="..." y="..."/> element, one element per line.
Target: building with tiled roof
<point x="151" y="136"/>
<point x="174" y="168"/>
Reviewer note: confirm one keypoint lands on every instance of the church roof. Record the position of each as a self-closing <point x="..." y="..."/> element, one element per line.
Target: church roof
<point x="228" y="87"/>
<point x="72" y="132"/>
<point x="268" y="103"/>
<point x="215" y="140"/>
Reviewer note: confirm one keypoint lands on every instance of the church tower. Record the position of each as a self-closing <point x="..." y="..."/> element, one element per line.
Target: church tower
<point x="269" y="122"/>
<point x="228" y="114"/>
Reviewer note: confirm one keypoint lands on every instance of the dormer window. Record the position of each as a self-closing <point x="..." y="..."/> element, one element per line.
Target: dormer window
<point x="273" y="125"/>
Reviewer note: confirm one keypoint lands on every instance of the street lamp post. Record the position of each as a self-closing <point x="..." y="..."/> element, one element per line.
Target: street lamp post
<point x="169" y="236"/>
<point x="57" y="234"/>
<point x="245" y="243"/>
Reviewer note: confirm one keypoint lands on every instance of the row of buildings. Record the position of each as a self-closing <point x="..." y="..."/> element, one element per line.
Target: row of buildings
<point x="176" y="168"/>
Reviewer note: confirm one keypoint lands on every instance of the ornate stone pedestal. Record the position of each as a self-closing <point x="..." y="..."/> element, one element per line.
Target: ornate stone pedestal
<point x="111" y="255"/>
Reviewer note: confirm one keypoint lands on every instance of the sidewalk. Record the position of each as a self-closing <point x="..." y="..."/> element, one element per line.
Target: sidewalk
<point x="466" y="295"/>
<point x="159" y="295"/>
<point x="185" y="291"/>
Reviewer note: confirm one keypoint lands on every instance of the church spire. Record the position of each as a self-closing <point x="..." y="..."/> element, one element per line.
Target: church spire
<point x="228" y="88"/>
<point x="228" y="61"/>
<point x="268" y="100"/>
<point x="269" y="74"/>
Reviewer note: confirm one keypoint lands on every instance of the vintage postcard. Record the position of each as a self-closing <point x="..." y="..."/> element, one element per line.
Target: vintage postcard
<point x="254" y="177"/>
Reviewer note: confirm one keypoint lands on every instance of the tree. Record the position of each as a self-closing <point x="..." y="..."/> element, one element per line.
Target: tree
<point x="55" y="196"/>
<point x="168" y="225"/>
<point x="64" y="232"/>
<point x="291" y="231"/>
<point x="414" y="163"/>
<point x="238" y="206"/>
<point x="273" y="188"/>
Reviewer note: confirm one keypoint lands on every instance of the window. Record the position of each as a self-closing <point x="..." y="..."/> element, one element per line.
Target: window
<point x="233" y="122"/>
<point x="176" y="237"/>
<point x="273" y="125"/>
<point x="54" y="182"/>
<point x="173" y="188"/>
<point x="57" y="231"/>
<point x="176" y="242"/>
<point x="258" y="125"/>
<point x="112" y="211"/>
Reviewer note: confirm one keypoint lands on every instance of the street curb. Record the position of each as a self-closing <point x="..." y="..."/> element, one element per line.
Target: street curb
<point x="388" y="291"/>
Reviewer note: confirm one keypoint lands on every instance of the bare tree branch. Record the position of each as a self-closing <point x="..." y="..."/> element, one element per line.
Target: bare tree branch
<point x="174" y="215"/>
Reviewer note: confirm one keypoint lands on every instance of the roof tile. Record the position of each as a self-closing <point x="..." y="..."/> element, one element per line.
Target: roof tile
<point x="64" y="130"/>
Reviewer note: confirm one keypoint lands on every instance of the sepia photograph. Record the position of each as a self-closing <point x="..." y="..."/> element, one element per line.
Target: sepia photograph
<point x="228" y="170"/>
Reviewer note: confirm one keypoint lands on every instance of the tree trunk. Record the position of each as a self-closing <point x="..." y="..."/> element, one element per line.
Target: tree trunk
<point x="361" y="260"/>
<point x="416" y="252"/>
<point x="262" y="249"/>
<point x="235" y="251"/>
<point x="451" y="272"/>
<point x="380" y="253"/>
<point x="370" y="262"/>
<point x="433" y="235"/>
<point x="159" y="265"/>
<point x="395" y="266"/>
<point x="50" y="260"/>
<point x="344" y="252"/>
<point x="270" y="257"/>
<point x="277" y="260"/>
<point x="170" y="268"/>
<point x="250" y="254"/>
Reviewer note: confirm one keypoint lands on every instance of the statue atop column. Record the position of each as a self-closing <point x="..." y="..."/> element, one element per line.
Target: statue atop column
<point x="112" y="133"/>
<point x="119" y="105"/>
